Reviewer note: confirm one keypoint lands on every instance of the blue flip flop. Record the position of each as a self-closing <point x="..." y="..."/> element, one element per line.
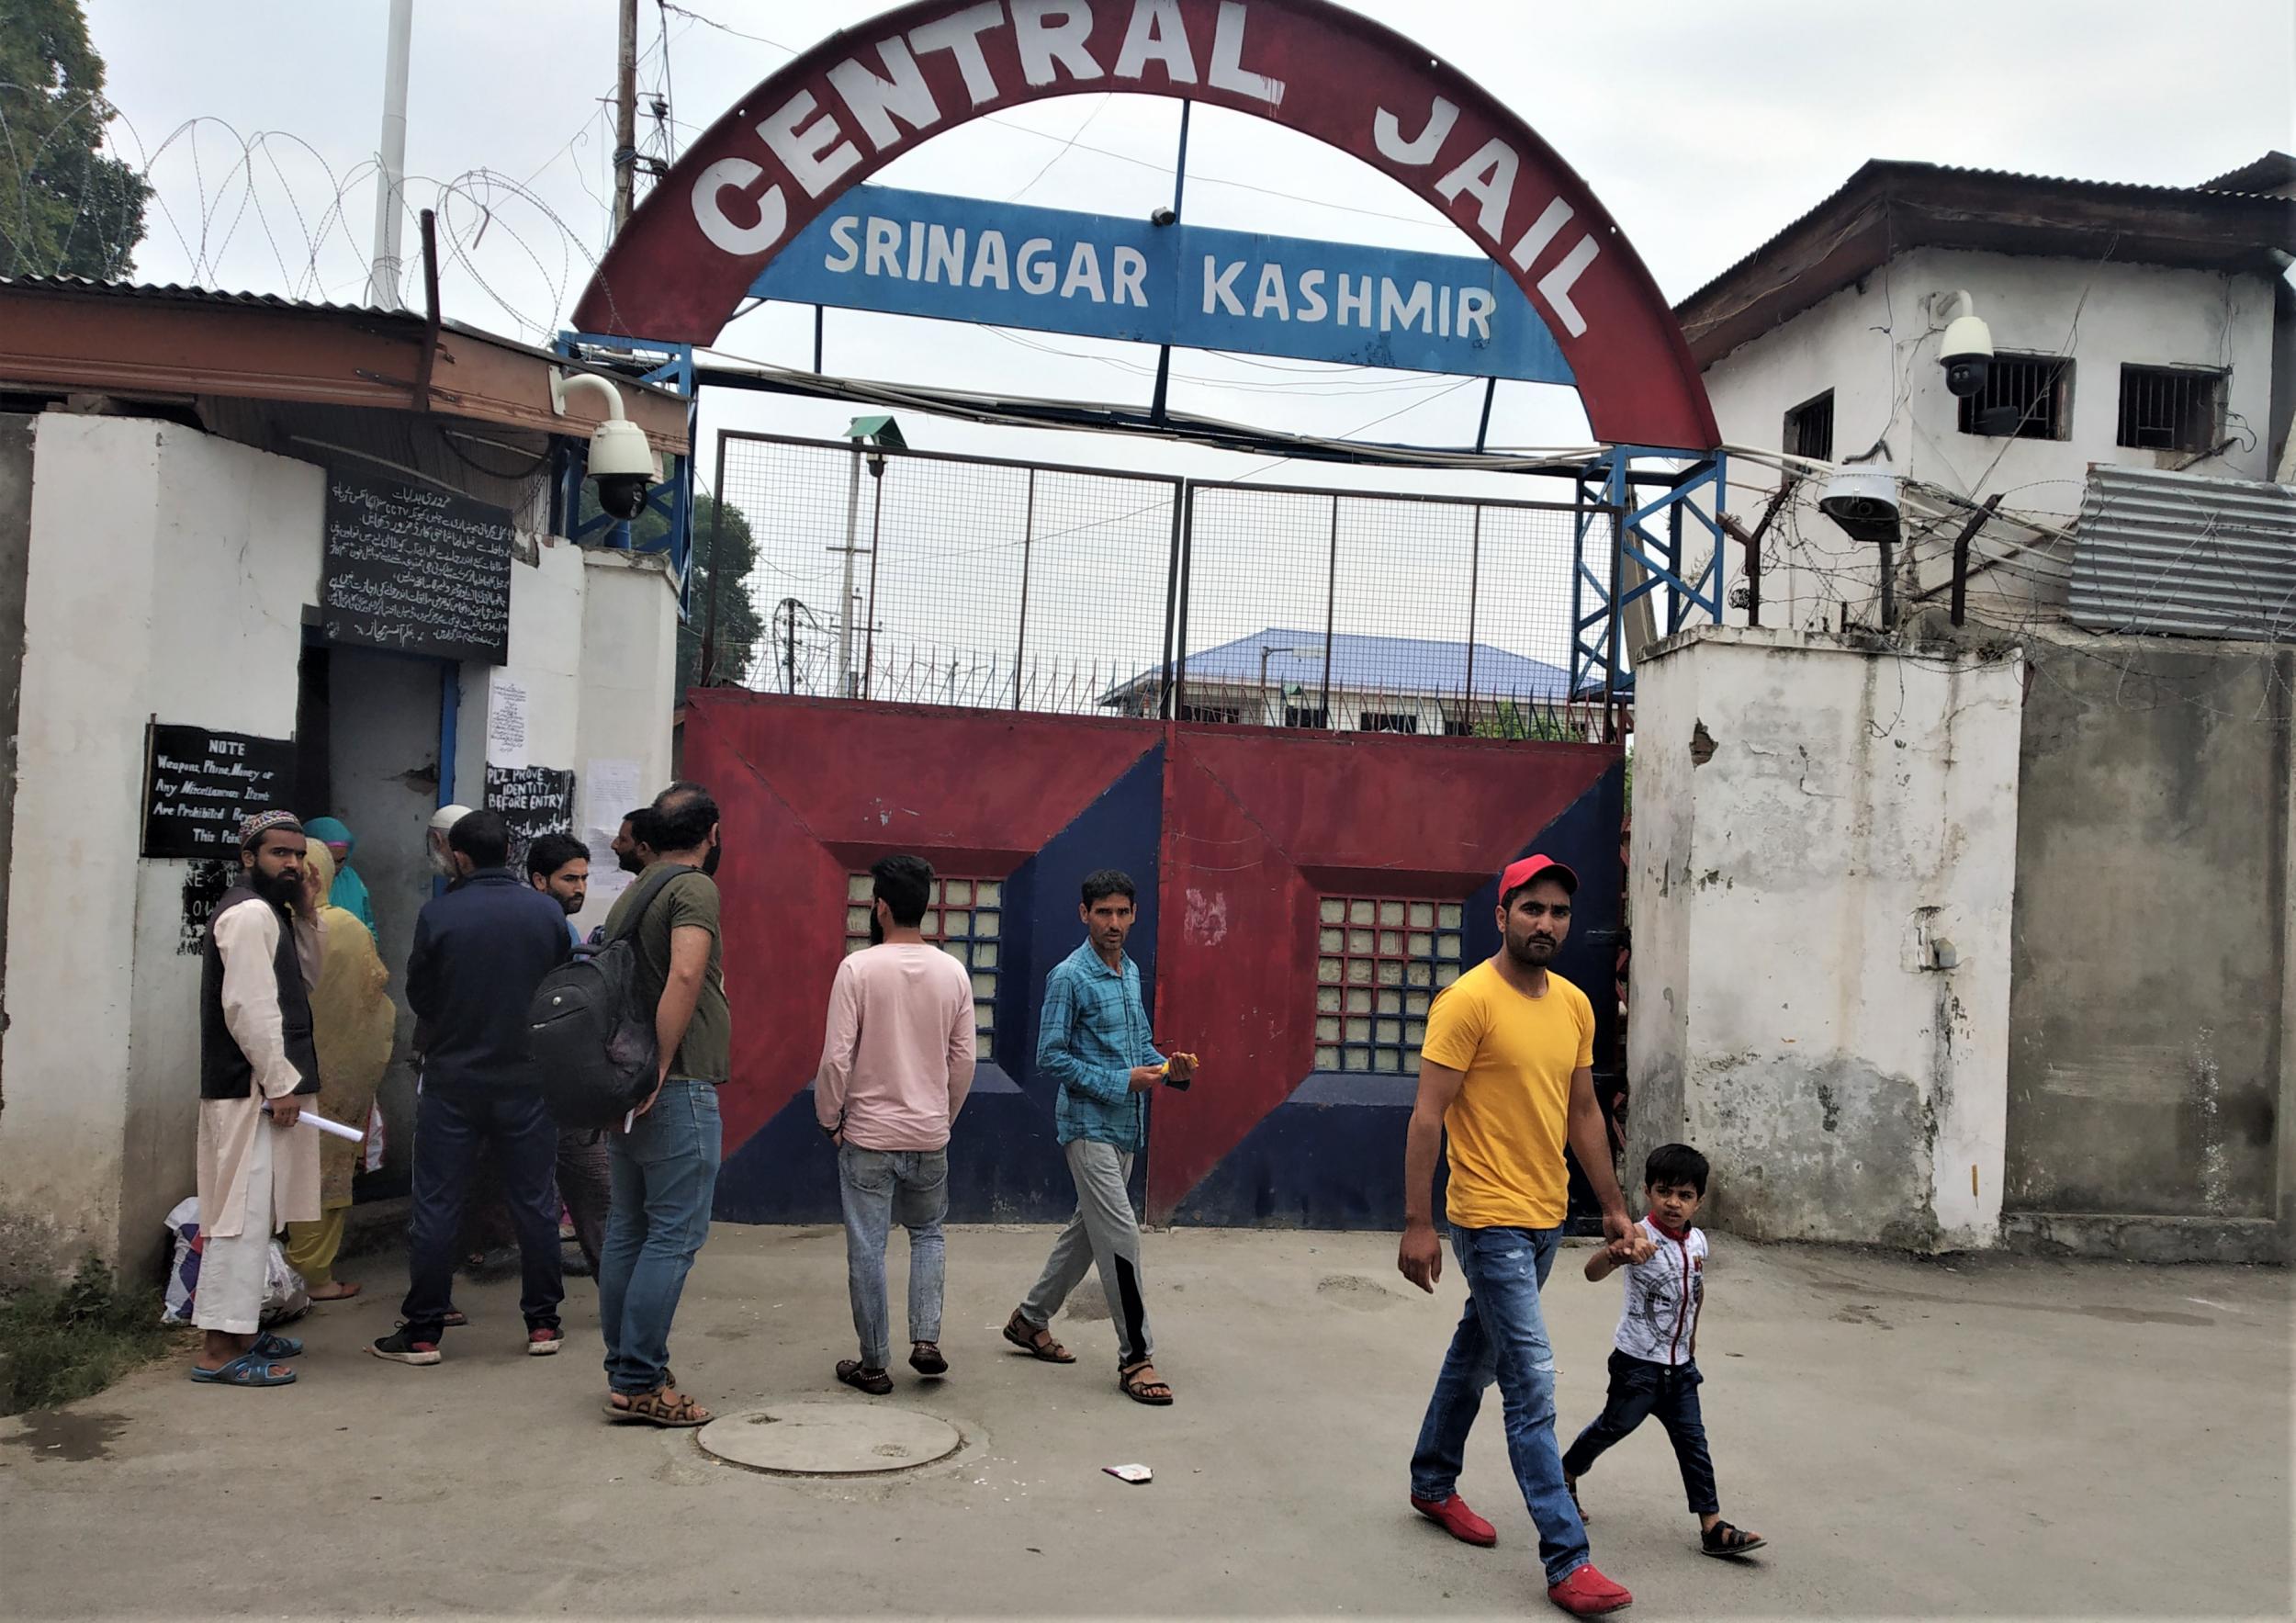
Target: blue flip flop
<point x="275" y="1347"/>
<point x="249" y="1369"/>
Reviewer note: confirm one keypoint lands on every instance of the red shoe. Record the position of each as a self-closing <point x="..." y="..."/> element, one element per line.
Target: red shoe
<point x="544" y="1339"/>
<point x="1587" y="1594"/>
<point x="1453" y="1517"/>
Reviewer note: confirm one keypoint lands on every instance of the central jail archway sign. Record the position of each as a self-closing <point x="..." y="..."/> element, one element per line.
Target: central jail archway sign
<point x="837" y="114"/>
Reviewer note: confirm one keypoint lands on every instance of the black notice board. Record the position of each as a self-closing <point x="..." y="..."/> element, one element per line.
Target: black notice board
<point x="416" y="570"/>
<point x="533" y="800"/>
<point x="204" y="784"/>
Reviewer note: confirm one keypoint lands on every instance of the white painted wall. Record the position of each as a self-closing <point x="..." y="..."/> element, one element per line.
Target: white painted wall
<point x="167" y="574"/>
<point x="545" y="660"/>
<point x="1875" y="347"/>
<point x="1855" y="808"/>
<point x="629" y="663"/>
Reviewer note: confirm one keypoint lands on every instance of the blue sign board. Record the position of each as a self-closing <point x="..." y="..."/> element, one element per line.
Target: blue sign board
<point x="1051" y="270"/>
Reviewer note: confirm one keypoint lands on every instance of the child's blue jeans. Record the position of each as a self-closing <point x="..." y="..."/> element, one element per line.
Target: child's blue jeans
<point x="1640" y="1388"/>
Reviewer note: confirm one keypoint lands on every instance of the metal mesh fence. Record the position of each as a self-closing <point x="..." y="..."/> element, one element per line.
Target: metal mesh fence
<point x="928" y="579"/>
<point x="934" y="579"/>
<point x="1427" y="615"/>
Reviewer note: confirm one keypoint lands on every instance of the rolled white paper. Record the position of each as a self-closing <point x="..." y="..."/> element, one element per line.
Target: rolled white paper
<point x="337" y="1129"/>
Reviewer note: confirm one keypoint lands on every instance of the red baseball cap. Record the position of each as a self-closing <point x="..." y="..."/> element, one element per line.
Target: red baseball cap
<point x="1522" y="872"/>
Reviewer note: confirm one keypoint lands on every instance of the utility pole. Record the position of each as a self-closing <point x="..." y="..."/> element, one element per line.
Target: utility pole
<point x="382" y="277"/>
<point x="626" y="119"/>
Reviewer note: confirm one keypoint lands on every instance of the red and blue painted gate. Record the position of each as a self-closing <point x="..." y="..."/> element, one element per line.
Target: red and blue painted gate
<point x="1249" y="846"/>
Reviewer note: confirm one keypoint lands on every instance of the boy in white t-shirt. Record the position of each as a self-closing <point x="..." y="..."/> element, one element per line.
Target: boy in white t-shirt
<point x="1653" y="1369"/>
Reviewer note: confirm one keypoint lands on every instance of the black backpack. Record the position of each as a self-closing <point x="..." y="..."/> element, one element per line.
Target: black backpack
<point x="593" y="1047"/>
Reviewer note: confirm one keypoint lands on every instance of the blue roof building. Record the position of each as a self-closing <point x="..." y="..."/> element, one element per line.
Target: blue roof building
<point x="1402" y="685"/>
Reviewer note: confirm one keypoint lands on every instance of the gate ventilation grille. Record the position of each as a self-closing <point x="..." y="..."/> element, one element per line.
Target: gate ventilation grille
<point x="1379" y="962"/>
<point x="965" y="919"/>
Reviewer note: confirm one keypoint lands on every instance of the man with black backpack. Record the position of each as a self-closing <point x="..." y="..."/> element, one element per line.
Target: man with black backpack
<point x="665" y="1161"/>
<point x="480" y="952"/>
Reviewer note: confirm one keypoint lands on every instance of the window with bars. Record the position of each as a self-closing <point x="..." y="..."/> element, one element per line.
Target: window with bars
<point x="965" y="919"/>
<point x="1310" y="715"/>
<point x="2171" y="408"/>
<point x="1387" y="721"/>
<point x="1220" y="714"/>
<point x="1379" y="962"/>
<point x="2024" y="398"/>
<point x="1809" y="428"/>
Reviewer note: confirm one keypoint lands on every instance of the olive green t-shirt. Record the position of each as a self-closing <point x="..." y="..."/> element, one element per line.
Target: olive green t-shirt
<point x="707" y="1054"/>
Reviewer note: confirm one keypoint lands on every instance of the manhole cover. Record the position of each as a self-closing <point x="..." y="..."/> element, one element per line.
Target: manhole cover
<point x="831" y="1439"/>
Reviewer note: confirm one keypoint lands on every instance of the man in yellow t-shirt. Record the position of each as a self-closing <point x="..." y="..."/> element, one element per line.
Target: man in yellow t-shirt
<point x="1507" y="1069"/>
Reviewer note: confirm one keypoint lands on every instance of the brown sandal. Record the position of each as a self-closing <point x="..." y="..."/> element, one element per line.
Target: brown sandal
<point x="1038" y="1344"/>
<point x="1127" y="1380"/>
<point x="667" y="1407"/>
<point x="927" y="1360"/>
<point x="861" y="1378"/>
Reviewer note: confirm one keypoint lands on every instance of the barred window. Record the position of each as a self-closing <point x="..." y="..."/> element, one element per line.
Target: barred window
<point x="1380" y="960"/>
<point x="965" y="919"/>
<point x="2024" y="398"/>
<point x="2171" y="408"/>
<point x="1809" y="428"/>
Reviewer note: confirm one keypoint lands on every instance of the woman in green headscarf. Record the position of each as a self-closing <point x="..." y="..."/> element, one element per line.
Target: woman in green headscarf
<point x="353" y="1024"/>
<point x="350" y="890"/>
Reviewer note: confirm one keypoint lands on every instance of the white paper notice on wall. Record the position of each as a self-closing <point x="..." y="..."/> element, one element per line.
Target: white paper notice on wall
<point x="506" y="721"/>
<point x="610" y="789"/>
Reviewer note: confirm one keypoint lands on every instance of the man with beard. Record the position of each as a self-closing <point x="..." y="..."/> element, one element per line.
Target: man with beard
<point x="1507" y="1071"/>
<point x="665" y="1164"/>
<point x="558" y="866"/>
<point x="634" y="842"/>
<point x="895" y="1066"/>
<point x="442" y="823"/>
<point x="480" y="952"/>
<point x="258" y="1064"/>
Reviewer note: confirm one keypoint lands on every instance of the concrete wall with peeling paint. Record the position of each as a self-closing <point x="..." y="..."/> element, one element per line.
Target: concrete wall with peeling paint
<point x="1825" y="851"/>
<point x="2150" y="1077"/>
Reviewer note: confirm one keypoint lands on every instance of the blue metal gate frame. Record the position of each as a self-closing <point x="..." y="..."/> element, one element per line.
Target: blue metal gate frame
<point x="1612" y="501"/>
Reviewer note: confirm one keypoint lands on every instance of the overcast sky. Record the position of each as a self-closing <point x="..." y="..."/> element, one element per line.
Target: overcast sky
<point x="1704" y="129"/>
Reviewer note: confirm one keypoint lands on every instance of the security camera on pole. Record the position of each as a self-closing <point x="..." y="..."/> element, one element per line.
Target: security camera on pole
<point x="877" y="433"/>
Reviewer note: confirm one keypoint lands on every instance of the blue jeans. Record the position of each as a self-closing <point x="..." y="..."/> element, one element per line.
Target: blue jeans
<point x="881" y="1188"/>
<point x="1502" y="1336"/>
<point x="665" y="1174"/>
<point x="452" y="1125"/>
<point x="1640" y="1388"/>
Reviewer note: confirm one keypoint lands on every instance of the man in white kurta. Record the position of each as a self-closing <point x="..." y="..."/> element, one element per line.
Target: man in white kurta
<point x="258" y="1164"/>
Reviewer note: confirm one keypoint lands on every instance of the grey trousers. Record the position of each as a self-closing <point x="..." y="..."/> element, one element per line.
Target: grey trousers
<point x="1104" y="1230"/>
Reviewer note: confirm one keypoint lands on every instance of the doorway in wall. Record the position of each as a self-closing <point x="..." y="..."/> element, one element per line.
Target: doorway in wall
<point x="371" y="734"/>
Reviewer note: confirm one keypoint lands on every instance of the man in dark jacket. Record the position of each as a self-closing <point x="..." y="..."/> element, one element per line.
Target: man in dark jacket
<point x="480" y="952"/>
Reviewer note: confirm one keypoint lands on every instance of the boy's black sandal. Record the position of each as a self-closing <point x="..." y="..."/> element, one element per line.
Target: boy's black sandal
<point x="1724" y="1540"/>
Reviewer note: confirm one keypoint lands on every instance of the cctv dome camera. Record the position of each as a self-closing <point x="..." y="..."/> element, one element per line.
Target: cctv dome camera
<point x="622" y="464"/>
<point x="621" y="459"/>
<point x="623" y="495"/>
<point x="1864" y="502"/>
<point x="1966" y="350"/>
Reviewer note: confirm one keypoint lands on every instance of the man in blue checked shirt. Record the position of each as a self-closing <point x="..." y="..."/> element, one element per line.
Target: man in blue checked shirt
<point x="1093" y="1041"/>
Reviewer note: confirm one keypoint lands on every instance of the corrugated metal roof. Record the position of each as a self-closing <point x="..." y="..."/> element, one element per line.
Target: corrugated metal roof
<point x="174" y="293"/>
<point x="2180" y="555"/>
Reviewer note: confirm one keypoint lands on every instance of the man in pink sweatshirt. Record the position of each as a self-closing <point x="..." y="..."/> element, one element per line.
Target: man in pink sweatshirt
<point x="895" y="1068"/>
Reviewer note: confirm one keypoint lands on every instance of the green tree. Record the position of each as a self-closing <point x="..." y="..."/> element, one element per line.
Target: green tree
<point x="739" y="628"/>
<point x="65" y="208"/>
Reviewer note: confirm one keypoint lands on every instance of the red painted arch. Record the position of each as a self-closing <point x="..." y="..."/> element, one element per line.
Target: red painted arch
<point x="844" y="109"/>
